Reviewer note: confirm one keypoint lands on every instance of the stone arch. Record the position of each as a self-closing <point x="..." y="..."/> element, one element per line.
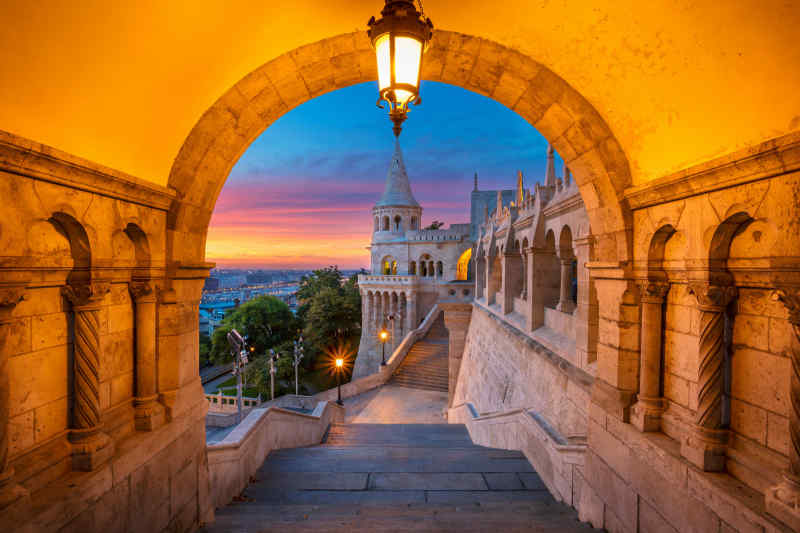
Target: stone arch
<point x="571" y="124"/>
<point x="79" y="245"/>
<point x="656" y="252"/>
<point x="141" y="244"/>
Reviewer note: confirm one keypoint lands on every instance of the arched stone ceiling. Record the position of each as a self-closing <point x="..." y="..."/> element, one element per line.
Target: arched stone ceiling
<point x="122" y="84"/>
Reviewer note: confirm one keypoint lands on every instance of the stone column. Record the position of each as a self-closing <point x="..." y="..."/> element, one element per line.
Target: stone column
<point x="565" y="303"/>
<point x="646" y="413"/>
<point x="783" y="500"/>
<point x="378" y="311"/>
<point x="149" y="413"/>
<point x="511" y="273"/>
<point x="457" y="317"/>
<point x="535" y="305"/>
<point x="411" y="311"/>
<point x="90" y="446"/>
<point x="706" y="443"/>
<point x="586" y="313"/>
<point x="524" y="259"/>
<point x="10" y="492"/>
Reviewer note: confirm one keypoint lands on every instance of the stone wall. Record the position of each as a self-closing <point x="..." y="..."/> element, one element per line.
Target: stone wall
<point x="101" y="407"/>
<point x="502" y="369"/>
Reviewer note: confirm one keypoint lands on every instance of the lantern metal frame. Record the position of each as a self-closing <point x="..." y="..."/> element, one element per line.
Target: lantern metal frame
<point x="400" y="18"/>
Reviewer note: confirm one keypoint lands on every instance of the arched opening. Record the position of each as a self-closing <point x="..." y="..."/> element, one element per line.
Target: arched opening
<point x="463" y="266"/>
<point x="549" y="274"/>
<point x="385" y="223"/>
<point x="413" y="224"/>
<point x="398" y="223"/>
<point x="439" y="269"/>
<point x="389" y="266"/>
<point x="412" y="268"/>
<point x="576" y="131"/>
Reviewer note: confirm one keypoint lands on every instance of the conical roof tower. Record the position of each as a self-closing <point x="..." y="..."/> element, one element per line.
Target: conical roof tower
<point x="398" y="189"/>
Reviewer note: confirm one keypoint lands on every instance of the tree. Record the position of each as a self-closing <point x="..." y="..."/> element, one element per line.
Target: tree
<point x="436" y="224"/>
<point x="205" y="349"/>
<point x="311" y="284"/>
<point x="266" y="321"/>
<point x="333" y="318"/>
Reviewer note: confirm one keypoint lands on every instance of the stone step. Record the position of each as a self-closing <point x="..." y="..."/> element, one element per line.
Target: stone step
<point x="419" y="386"/>
<point x="521" y="515"/>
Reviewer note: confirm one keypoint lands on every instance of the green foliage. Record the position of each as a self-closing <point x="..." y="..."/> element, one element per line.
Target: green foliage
<point x="333" y="319"/>
<point x="266" y="321"/>
<point x="205" y="349"/>
<point x="311" y="284"/>
<point x="436" y="224"/>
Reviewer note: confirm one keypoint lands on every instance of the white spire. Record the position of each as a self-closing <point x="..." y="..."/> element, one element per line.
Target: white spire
<point x="550" y="173"/>
<point x="398" y="189"/>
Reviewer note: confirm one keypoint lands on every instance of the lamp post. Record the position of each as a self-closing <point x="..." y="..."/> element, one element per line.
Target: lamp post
<point x="273" y="357"/>
<point x="298" y="356"/>
<point x="239" y="353"/>
<point x="391" y="317"/>
<point x="400" y="36"/>
<point x="383" y="335"/>
<point x="339" y="365"/>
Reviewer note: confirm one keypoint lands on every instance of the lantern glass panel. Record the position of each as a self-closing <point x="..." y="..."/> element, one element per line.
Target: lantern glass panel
<point x="383" y="52"/>
<point x="408" y="54"/>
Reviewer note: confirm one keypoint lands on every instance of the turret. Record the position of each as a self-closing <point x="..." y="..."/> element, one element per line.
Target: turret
<point x="397" y="211"/>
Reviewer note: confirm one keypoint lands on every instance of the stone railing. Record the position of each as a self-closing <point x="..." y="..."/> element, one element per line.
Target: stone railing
<point x="375" y="279"/>
<point x="456" y="291"/>
<point x="233" y="460"/>
<point x="219" y="403"/>
<point x="557" y="460"/>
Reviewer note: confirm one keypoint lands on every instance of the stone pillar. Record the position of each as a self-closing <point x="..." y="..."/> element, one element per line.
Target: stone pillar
<point x="535" y="306"/>
<point x="90" y="446"/>
<point x="646" y="413"/>
<point x="524" y="259"/>
<point x="149" y="413"/>
<point x="586" y="313"/>
<point x="10" y="492"/>
<point x="705" y="445"/>
<point x="378" y="311"/>
<point x="565" y="303"/>
<point x="783" y="500"/>
<point x="511" y="276"/>
<point x="411" y="311"/>
<point x="457" y="317"/>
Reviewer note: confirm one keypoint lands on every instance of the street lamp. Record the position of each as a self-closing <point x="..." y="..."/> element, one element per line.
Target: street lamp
<point x="298" y="356"/>
<point x="383" y="335"/>
<point x="399" y="38"/>
<point x="239" y="352"/>
<point x="273" y="357"/>
<point x="339" y="365"/>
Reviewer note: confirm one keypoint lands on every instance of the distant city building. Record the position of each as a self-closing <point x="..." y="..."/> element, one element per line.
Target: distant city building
<point x="211" y="284"/>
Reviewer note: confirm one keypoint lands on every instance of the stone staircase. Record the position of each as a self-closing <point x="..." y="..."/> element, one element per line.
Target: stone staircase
<point x="425" y="365"/>
<point x="396" y="477"/>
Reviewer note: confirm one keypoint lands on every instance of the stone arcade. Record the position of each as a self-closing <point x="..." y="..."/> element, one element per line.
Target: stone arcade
<point x="659" y="392"/>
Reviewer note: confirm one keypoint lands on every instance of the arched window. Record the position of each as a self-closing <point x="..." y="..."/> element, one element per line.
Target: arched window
<point x="423" y="268"/>
<point x="439" y="269"/>
<point x="385" y="223"/>
<point x="397" y="223"/>
<point x="412" y="268"/>
<point x="394" y="268"/>
<point x="389" y="266"/>
<point x="413" y="223"/>
<point x="431" y="271"/>
<point x="462" y="267"/>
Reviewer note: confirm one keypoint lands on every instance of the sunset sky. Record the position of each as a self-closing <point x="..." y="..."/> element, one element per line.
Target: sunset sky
<point x="301" y="195"/>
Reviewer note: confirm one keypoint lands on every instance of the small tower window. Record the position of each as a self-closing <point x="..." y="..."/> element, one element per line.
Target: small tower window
<point x="413" y="223"/>
<point x="412" y="268"/>
<point x="385" y="223"/>
<point x="397" y="221"/>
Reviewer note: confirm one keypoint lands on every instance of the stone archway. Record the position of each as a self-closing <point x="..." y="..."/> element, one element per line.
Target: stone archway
<point x="547" y="102"/>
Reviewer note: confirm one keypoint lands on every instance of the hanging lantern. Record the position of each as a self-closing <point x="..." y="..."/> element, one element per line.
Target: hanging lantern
<point x="399" y="38"/>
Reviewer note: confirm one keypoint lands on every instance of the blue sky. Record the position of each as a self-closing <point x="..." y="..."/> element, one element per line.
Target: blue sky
<point x="301" y="194"/>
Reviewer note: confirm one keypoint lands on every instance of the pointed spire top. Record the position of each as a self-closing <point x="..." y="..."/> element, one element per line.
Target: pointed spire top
<point x="398" y="188"/>
<point x="499" y="209"/>
<point x="566" y="175"/>
<point x="476" y="182"/>
<point x="520" y="189"/>
<point x="550" y="173"/>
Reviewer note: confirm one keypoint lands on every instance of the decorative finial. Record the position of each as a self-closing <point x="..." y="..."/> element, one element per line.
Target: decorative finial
<point x="476" y="182"/>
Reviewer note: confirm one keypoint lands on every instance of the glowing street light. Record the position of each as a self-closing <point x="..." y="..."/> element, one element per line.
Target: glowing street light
<point x="399" y="38"/>
<point x="339" y="368"/>
<point x="383" y="335"/>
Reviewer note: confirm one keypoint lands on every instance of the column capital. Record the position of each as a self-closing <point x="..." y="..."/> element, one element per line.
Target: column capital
<point x="653" y="291"/>
<point x="86" y="294"/>
<point x="143" y="291"/>
<point x="790" y="297"/>
<point x="10" y="296"/>
<point x="711" y="297"/>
